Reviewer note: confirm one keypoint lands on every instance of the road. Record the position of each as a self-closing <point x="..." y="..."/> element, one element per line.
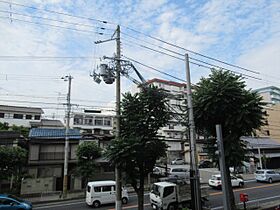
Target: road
<point x="258" y="192"/>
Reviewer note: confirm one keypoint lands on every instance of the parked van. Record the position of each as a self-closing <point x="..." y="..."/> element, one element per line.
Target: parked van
<point x="103" y="192"/>
<point x="179" y="172"/>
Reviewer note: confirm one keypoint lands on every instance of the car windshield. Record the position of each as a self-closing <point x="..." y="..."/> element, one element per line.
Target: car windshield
<point x="15" y="198"/>
<point x="156" y="189"/>
<point x="216" y="178"/>
<point x="259" y="172"/>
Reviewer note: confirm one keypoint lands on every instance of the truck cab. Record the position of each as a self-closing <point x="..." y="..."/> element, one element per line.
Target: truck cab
<point x="163" y="195"/>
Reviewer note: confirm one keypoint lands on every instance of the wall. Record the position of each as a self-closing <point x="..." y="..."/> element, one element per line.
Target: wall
<point x="33" y="186"/>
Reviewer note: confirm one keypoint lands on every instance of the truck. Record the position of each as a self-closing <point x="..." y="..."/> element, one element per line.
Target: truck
<point x="170" y="196"/>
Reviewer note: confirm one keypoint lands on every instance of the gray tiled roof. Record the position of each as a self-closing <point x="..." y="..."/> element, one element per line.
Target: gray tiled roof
<point x="21" y="109"/>
<point x="261" y="142"/>
<point x="50" y="133"/>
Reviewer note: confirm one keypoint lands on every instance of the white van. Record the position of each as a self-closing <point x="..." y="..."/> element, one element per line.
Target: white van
<point x="103" y="192"/>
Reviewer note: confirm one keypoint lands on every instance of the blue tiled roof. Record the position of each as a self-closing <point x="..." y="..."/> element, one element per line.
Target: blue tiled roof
<point x="50" y="133"/>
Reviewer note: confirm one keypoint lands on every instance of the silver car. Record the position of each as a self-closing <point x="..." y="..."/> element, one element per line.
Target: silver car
<point x="267" y="176"/>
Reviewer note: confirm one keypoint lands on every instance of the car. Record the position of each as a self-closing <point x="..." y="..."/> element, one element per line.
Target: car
<point x="205" y="164"/>
<point x="179" y="172"/>
<point x="178" y="161"/>
<point x="267" y="175"/>
<point x="11" y="202"/>
<point x="216" y="181"/>
<point x="160" y="171"/>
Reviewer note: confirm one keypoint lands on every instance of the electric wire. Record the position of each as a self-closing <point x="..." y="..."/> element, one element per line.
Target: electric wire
<point x="56" y="20"/>
<point x="191" y="51"/>
<point x="197" y="60"/>
<point x="56" y="26"/>
<point x="56" y="12"/>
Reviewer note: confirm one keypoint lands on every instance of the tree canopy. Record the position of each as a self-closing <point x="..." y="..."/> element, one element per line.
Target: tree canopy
<point x="139" y="146"/>
<point x="87" y="153"/>
<point x="12" y="161"/>
<point x="222" y="99"/>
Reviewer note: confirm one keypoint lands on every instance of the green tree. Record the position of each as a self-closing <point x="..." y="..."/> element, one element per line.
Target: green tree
<point x="22" y="130"/>
<point x="87" y="154"/>
<point x="13" y="159"/>
<point x="139" y="145"/>
<point x="223" y="99"/>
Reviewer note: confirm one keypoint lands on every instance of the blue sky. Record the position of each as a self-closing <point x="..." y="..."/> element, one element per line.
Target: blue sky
<point x="244" y="33"/>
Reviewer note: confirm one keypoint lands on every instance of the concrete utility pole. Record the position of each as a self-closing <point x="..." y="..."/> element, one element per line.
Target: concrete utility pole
<point x="66" y="148"/>
<point x="222" y="163"/>
<point x="118" y="101"/>
<point x="193" y="158"/>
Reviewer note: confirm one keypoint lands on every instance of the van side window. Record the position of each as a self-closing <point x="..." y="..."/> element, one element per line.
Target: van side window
<point x="88" y="188"/>
<point x="97" y="189"/>
<point x="106" y="188"/>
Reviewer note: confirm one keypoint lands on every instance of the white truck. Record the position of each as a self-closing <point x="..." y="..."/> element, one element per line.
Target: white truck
<point x="171" y="196"/>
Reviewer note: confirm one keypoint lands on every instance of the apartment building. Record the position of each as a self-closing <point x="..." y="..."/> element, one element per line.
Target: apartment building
<point x="20" y="116"/>
<point x="98" y="122"/>
<point x="174" y="131"/>
<point x="270" y="94"/>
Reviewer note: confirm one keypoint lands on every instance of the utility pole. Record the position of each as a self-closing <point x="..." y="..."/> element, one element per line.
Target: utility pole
<point x="260" y="156"/>
<point x="118" y="101"/>
<point x="194" y="172"/>
<point x="222" y="163"/>
<point x="66" y="148"/>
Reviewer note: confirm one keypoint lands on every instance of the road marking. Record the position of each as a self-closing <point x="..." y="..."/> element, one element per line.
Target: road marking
<point x="249" y="188"/>
<point x="251" y="201"/>
<point x="132" y="206"/>
<point x="58" y="205"/>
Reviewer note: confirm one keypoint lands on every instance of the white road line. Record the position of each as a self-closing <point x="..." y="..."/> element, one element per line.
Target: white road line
<point x="251" y="201"/>
<point x="58" y="205"/>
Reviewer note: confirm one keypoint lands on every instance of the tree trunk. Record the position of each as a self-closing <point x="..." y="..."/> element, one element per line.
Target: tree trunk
<point x="140" y="193"/>
<point x="231" y="194"/>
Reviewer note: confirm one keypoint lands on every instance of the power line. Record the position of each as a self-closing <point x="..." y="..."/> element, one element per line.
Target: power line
<point x="56" y="20"/>
<point x="56" y="26"/>
<point x="198" y="64"/>
<point x="150" y="67"/>
<point x="43" y="58"/>
<point x="191" y="51"/>
<point x="56" y="12"/>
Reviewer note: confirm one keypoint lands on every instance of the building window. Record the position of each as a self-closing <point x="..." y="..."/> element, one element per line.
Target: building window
<point x="2" y="115"/>
<point x="88" y="121"/>
<point x="18" y="116"/>
<point x="28" y="117"/>
<point x="107" y="122"/>
<point x="37" y="117"/>
<point x="78" y="120"/>
<point x="98" y="121"/>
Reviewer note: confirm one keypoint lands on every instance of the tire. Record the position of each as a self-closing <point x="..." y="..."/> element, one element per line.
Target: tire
<point x="172" y="206"/>
<point x="96" y="204"/>
<point x="241" y="184"/>
<point x="270" y="181"/>
<point x="124" y="200"/>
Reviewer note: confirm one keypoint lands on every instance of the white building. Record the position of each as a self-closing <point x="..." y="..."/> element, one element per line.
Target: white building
<point x="174" y="131"/>
<point x="97" y="122"/>
<point x="20" y="116"/>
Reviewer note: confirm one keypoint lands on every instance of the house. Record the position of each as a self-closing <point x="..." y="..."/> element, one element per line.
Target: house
<point x="47" y="123"/>
<point x="46" y="155"/>
<point x="11" y="139"/>
<point x="20" y="116"/>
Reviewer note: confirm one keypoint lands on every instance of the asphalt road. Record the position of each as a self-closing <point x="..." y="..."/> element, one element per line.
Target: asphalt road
<point x="257" y="192"/>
